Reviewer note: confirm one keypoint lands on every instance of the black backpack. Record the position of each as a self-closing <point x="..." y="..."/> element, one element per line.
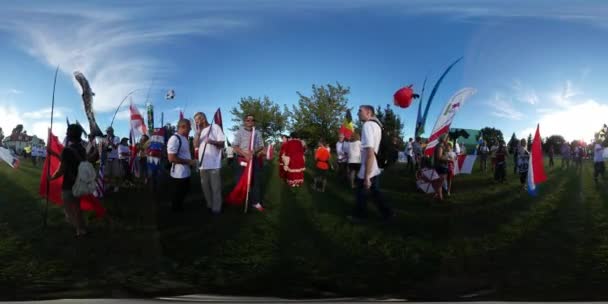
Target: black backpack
<point x="386" y="152"/>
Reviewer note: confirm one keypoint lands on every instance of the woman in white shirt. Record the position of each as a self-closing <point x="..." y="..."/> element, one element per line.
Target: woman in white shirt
<point x="354" y="157"/>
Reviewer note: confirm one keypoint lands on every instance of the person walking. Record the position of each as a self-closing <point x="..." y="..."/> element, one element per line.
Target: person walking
<point x="342" y="154"/>
<point x="598" y="161"/>
<point x="322" y="156"/>
<point x="368" y="179"/>
<point x="354" y="158"/>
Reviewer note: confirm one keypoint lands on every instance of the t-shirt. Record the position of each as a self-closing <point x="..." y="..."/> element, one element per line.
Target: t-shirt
<point x="500" y="156"/>
<point x="122" y="149"/>
<point x="322" y="156"/>
<point x="598" y="155"/>
<point x="370" y="138"/>
<point x="70" y="159"/>
<point x="114" y="153"/>
<point x="243" y="137"/>
<point x="213" y="154"/>
<point x="409" y="149"/>
<point x="179" y="170"/>
<point x="483" y="150"/>
<point x="417" y="148"/>
<point x="342" y="150"/>
<point x="523" y="160"/>
<point x="354" y="152"/>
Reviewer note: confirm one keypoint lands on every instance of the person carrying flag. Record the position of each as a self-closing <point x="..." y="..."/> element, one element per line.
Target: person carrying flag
<point x="523" y="160"/>
<point x="245" y="154"/>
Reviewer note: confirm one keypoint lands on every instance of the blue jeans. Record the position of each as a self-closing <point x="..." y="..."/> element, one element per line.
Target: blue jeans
<point x="363" y="195"/>
<point x="256" y="176"/>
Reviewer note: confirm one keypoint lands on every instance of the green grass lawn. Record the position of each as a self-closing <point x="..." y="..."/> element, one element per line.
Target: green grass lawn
<point x="489" y="241"/>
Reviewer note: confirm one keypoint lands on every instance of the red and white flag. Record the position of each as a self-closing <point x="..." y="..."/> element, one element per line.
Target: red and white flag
<point x="138" y="126"/>
<point x="442" y="126"/>
<point x="463" y="164"/>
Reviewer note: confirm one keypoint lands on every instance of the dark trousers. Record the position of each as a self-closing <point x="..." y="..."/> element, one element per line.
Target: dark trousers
<point x="181" y="187"/>
<point x="342" y="172"/>
<point x="523" y="177"/>
<point x="551" y="161"/>
<point x="410" y="163"/>
<point x="256" y="182"/>
<point x="598" y="169"/>
<point x="500" y="172"/>
<point x="363" y="195"/>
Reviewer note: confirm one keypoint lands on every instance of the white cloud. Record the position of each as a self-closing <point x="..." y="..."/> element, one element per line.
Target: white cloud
<point x="109" y="44"/>
<point x="579" y="121"/>
<point x="9" y="118"/>
<point x="45" y="113"/>
<point x="564" y="97"/>
<point x="504" y="108"/>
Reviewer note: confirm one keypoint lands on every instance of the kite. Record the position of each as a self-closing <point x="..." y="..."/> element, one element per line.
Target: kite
<point x="170" y="95"/>
<point x="404" y="96"/>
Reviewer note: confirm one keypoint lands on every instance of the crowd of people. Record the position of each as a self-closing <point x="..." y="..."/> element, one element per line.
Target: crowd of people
<point x="355" y="162"/>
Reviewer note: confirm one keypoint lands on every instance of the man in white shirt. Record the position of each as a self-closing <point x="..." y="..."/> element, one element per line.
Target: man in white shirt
<point x="368" y="179"/>
<point x="113" y="170"/>
<point x="210" y="141"/>
<point x="598" y="161"/>
<point x="178" y="151"/>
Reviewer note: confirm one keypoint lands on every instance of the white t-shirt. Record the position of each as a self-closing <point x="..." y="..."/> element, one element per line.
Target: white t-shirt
<point x="354" y="152"/>
<point x="598" y="155"/>
<point x="114" y="153"/>
<point x="213" y="154"/>
<point x="370" y="138"/>
<point x="409" y="148"/>
<point x="342" y="150"/>
<point x="179" y="170"/>
<point x="123" y="149"/>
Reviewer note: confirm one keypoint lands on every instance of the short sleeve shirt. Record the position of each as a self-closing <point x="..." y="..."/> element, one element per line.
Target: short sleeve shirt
<point x="179" y="170"/>
<point x="370" y="138"/>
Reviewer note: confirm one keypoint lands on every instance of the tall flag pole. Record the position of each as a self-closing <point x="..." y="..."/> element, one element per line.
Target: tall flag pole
<point x="48" y="171"/>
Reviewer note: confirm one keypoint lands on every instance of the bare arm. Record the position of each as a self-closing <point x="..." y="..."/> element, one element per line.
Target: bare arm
<point x="369" y="162"/>
<point x="59" y="173"/>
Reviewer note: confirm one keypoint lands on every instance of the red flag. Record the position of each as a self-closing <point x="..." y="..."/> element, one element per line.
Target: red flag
<point x="238" y="195"/>
<point x="537" y="159"/>
<point x="87" y="202"/>
<point x="217" y="119"/>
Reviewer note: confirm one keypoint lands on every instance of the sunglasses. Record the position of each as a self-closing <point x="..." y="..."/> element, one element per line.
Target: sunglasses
<point x="249" y="120"/>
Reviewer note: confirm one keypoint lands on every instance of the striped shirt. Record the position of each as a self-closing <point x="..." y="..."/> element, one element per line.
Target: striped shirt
<point x="242" y="138"/>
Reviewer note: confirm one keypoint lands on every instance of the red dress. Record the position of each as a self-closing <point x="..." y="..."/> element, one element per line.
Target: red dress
<point x="293" y="162"/>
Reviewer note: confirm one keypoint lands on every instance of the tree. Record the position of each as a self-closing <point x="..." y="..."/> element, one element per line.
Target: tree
<point x="269" y="119"/>
<point x="391" y="122"/>
<point x="513" y="143"/>
<point x="17" y="130"/>
<point x="554" y="140"/>
<point x="1" y="135"/>
<point x="321" y="114"/>
<point x="492" y="135"/>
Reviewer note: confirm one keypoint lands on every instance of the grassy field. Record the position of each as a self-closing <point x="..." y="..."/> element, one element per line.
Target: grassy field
<point x="488" y="241"/>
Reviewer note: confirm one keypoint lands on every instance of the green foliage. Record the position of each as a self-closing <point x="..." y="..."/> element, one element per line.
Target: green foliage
<point x="555" y="141"/>
<point x="321" y="114"/>
<point x="492" y="135"/>
<point x="391" y="122"/>
<point x="269" y="119"/>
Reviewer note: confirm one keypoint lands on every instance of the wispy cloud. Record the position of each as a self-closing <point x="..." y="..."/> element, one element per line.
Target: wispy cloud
<point x="563" y="97"/>
<point x="110" y="44"/>
<point x="504" y="108"/>
<point x="523" y="94"/>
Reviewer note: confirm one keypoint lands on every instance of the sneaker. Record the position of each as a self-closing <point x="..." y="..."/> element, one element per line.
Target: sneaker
<point x="259" y="207"/>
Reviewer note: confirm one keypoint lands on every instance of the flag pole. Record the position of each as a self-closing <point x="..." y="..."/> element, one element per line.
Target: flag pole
<point x="249" y="169"/>
<point x="48" y="157"/>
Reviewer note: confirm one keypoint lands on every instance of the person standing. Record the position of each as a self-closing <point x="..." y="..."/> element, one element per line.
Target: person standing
<point x="598" y="161"/>
<point x="178" y="151"/>
<point x="210" y="141"/>
<point x="417" y="150"/>
<point x="565" y="151"/>
<point x="551" y="155"/>
<point x="282" y="173"/>
<point x="354" y="158"/>
<point x="71" y="156"/>
<point x="409" y="153"/>
<point x="322" y="156"/>
<point x="441" y="164"/>
<point x="113" y="171"/>
<point x="293" y="161"/>
<point x="342" y="153"/>
<point x="523" y="163"/>
<point x="501" y="163"/>
<point x="241" y="147"/>
<point x="483" y="156"/>
<point x="124" y="154"/>
<point x="142" y="158"/>
<point x="368" y="178"/>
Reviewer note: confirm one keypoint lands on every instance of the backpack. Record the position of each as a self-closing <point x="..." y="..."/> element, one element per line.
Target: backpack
<point x="85" y="178"/>
<point x="385" y="156"/>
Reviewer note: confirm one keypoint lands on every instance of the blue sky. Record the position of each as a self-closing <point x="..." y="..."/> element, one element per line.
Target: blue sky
<point x="530" y="61"/>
